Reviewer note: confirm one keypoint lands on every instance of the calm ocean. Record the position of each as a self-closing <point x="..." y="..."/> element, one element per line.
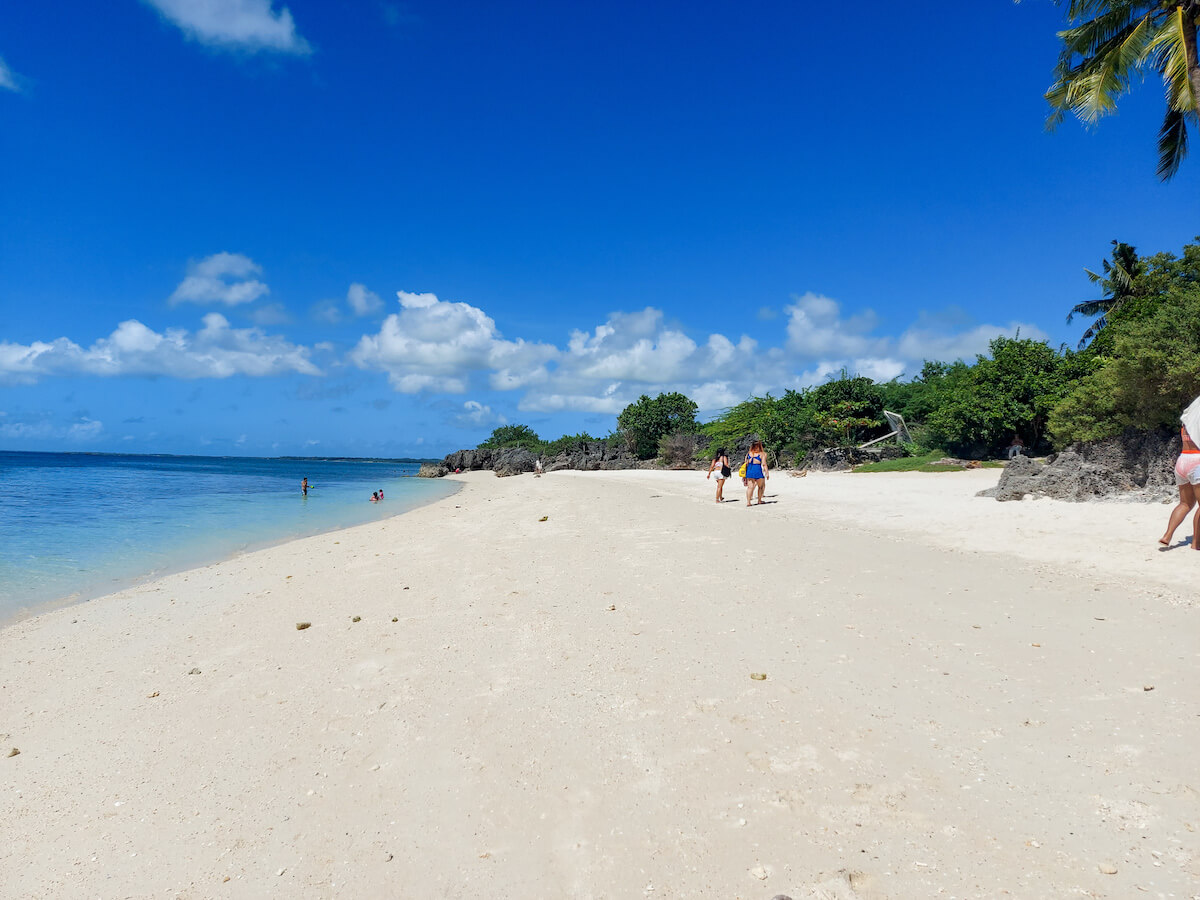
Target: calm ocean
<point x="78" y="525"/>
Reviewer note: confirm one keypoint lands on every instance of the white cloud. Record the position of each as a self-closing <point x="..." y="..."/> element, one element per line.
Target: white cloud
<point x="43" y="428"/>
<point x="362" y="301"/>
<point x="221" y="278"/>
<point x="436" y="345"/>
<point x="816" y="328"/>
<point x="604" y="370"/>
<point x="475" y="414"/>
<point x="215" y="351"/>
<point x="8" y="79"/>
<point x="921" y="343"/>
<point x="238" y="24"/>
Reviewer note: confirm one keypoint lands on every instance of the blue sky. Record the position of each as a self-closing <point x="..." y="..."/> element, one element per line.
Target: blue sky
<point x="379" y="228"/>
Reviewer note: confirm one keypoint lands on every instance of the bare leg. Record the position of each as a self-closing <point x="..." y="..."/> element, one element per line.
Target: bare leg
<point x="749" y="489"/>
<point x="762" y="489"/>
<point x="1187" y="499"/>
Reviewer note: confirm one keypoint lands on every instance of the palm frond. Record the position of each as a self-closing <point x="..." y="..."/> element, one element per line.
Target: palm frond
<point x="1172" y="143"/>
<point x="1089" y="308"/>
<point x="1112" y="55"/>
<point x="1169" y="54"/>
<point x="1093" y="330"/>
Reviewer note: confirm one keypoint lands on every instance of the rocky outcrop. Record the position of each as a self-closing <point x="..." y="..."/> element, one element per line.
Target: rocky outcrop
<point x="1136" y="465"/>
<point x="591" y="456"/>
<point x="469" y="460"/>
<point x="842" y="459"/>
<point x="433" y="470"/>
<point x="512" y="461"/>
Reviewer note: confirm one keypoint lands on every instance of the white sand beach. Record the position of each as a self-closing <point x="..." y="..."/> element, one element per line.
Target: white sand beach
<point x="551" y="691"/>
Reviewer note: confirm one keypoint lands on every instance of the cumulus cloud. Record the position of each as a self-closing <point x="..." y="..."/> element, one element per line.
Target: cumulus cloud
<point x="605" y="369"/>
<point x="43" y="427"/>
<point x="225" y="278"/>
<point x="435" y="345"/>
<point x="475" y="415"/>
<point x="8" y="79"/>
<point x="235" y="24"/>
<point x="214" y="351"/>
<point x="921" y="343"/>
<point x="362" y="301"/>
<point x="816" y="328"/>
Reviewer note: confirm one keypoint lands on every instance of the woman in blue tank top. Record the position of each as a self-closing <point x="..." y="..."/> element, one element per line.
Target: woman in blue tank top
<point x="756" y="472"/>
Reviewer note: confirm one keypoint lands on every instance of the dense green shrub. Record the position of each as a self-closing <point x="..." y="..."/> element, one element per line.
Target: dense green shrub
<point x="976" y="410"/>
<point x="514" y="436"/>
<point x="647" y="421"/>
<point x="1153" y="372"/>
<point x="567" y="443"/>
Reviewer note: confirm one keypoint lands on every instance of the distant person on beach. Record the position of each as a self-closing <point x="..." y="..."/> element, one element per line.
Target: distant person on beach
<point x="537" y="468"/>
<point x="1016" y="448"/>
<point x="304" y="485"/>
<point x="1187" y="476"/>
<point x="756" y="473"/>
<point x="720" y="467"/>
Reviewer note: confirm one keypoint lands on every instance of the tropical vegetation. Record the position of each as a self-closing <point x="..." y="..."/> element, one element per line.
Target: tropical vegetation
<point x="1109" y="44"/>
<point x="1137" y="366"/>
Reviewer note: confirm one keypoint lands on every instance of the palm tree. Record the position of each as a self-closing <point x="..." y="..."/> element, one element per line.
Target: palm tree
<point x="1117" y="285"/>
<point x="1110" y="43"/>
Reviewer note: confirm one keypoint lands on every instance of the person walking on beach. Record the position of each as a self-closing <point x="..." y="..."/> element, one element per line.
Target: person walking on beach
<point x="720" y="466"/>
<point x="1187" y="477"/>
<point x="756" y="472"/>
<point x="304" y="485"/>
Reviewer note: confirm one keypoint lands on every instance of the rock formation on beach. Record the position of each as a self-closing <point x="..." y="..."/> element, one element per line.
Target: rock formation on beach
<point x="586" y="455"/>
<point x="1136" y="465"/>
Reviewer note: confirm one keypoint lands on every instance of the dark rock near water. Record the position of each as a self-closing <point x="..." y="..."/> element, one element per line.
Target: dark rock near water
<point x="1136" y="465"/>
<point x="469" y="460"/>
<point x="433" y="470"/>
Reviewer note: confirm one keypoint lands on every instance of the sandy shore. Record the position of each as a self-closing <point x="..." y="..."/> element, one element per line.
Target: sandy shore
<point x="962" y="699"/>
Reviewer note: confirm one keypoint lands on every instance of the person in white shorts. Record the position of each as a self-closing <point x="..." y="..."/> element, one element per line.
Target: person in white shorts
<point x="719" y="467"/>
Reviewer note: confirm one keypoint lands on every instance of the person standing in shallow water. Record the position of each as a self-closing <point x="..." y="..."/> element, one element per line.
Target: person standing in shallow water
<point x="1187" y="477"/>
<point x="719" y="467"/>
<point x="304" y="485"/>
<point x="756" y="472"/>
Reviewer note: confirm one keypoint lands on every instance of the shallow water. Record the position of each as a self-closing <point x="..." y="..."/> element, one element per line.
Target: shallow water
<point x="78" y="525"/>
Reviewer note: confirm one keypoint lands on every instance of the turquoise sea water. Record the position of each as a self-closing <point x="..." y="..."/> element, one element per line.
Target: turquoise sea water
<point x="77" y="525"/>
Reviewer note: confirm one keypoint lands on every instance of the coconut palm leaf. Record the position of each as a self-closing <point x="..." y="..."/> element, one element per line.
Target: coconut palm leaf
<point x="1110" y="44"/>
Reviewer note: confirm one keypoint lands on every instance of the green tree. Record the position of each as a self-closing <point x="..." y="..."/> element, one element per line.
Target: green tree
<point x="514" y="436"/>
<point x="978" y="408"/>
<point x="1119" y="283"/>
<point x="645" y="422"/>
<point x="1151" y="375"/>
<point x="1108" y="44"/>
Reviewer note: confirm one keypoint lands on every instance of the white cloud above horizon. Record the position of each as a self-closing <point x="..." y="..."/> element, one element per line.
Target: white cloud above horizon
<point x="478" y="415"/>
<point x="8" y="78"/>
<point x="224" y="278"/>
<point x="214" y="351"/>
<point x="436" y="345"/>
<point x="432" y="346"/>
<point x="361" y="301"/>
<point x="250" y="25"/>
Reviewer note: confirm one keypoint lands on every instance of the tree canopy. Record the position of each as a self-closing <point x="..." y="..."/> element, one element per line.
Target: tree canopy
<point x="1109" y="44"/>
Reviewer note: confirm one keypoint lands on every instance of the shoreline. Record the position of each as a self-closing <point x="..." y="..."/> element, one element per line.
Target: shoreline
<point x="566" y="706"/>
<point x="122" y="584"/>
